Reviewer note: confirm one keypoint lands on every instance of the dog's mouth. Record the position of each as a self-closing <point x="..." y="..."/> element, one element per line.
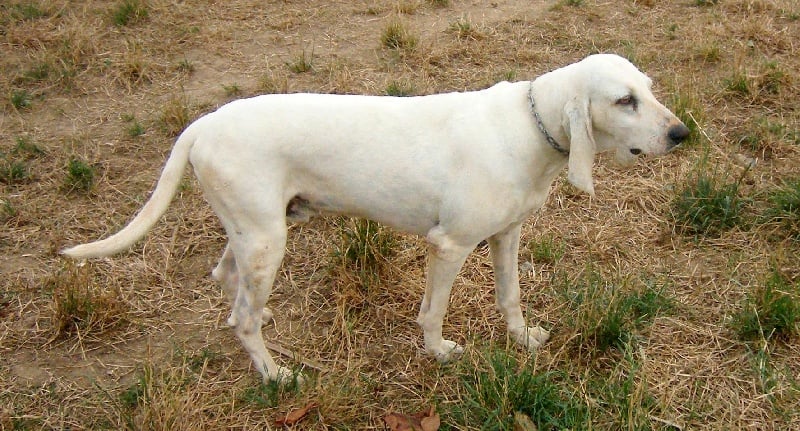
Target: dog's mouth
<point x="626" y="157"/>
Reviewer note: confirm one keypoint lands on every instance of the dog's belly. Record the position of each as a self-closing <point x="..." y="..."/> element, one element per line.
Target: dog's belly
<point x="417" y="218"/>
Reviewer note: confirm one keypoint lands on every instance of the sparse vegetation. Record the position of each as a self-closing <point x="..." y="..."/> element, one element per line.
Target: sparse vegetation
<point x="784" y="208"/>
<point x="7" y="211"/>
<point x="772" y="311"/>
<point x="175" y="115"/>
<point x="14" y="166"/>
<point x="127" y="12"/>
<point x="546" y="250"/>
<point x="396" y="36"/>
<point x="499" y="386"/>
<point x="79" y="306"/>
<point x="25" y="11"/>
<point x="463" y="28"/>
<point x="302" y="63"/>
<point x="232" y="90"/>
<point x="738" y="83"/>
<point x="671" y="296"/>
<point x="80" y="175"/>
<point x="708" y="205"/>
<point x="21" y="99"/>
<point x="135" y="129"/>
<point x="606" y="314"/>
<point x="12" y="171"/>
<point x="689" y="110"/>
<point x="397" y="88"/>
<point x="364" y="248"/>
<point x="185" y="66"/>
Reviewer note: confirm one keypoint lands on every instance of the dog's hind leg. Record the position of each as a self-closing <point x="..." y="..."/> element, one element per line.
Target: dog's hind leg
<point x="258" y="253"/>
<point x="504" y="248"/>
<point x="227" y="274"/>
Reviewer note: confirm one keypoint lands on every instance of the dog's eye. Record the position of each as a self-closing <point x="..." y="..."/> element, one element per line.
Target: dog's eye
<point x="627" y="101"/>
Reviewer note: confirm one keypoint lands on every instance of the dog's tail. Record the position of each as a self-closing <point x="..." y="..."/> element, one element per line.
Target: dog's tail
<point x="152" y="211"/>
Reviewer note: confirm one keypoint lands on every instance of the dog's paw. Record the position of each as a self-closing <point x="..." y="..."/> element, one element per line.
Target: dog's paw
<point x="286" y="376"/>
<point x="530" y="338"/>
<point x="266" y="315"/>
<point x="447" y="351"/>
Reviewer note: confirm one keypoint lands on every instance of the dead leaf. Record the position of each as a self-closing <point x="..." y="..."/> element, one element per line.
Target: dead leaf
<point x="430" y="423"/>
<point x="523" y="423"/>
<point x="398" y="422"/>
<point x="296" y="415"/>
<point x="426" y="420"/>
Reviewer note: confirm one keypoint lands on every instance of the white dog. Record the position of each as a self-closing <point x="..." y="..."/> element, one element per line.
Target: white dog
<point x="457" y="168"/>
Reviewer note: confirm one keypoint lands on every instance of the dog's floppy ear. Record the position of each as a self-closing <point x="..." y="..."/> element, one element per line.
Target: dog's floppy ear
<point x="578" y="124"/>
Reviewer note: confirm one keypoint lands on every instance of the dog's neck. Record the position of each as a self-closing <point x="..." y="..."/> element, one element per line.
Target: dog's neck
<point x="540" y="124"/>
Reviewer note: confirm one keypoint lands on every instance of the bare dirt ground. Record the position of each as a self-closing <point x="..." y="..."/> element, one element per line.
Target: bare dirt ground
<point x="139" y="341"/>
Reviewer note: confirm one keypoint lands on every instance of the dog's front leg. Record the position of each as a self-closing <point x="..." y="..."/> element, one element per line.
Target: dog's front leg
<point x="445" y="259"/>
<point x="504" y="247"/>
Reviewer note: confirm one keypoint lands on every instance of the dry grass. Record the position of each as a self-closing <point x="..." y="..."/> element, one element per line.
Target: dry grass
<point x="111" y="83"/>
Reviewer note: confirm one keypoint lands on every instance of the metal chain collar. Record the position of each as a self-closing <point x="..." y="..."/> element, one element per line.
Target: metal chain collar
<point x="548" y="137"/>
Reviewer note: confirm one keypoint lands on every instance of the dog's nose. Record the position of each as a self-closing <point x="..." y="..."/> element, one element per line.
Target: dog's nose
<point x="677" y="134"/>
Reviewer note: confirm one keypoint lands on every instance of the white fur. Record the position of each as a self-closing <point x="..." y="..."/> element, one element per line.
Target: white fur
<point x="456" y="168"/>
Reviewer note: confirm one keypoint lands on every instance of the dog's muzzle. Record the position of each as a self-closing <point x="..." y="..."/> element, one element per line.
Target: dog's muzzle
<point x="676" y="135"/>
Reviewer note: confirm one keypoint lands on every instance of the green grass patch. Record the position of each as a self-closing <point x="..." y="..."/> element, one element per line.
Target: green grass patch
<point x="396" y="36"/>
<point x="134" y="129"/>
<point x="498" y="386"/>
<point x="768" y="80"/>
<point x="14" y="166"/>
<point x="771" y="311"/>
<point x="175" y="115"/>
<point x="783" y="209"/>
<point x="771" y="78"/>
<point x="80" y="175"/>
<point x="13" y="171"/>
<point x="232" y="90"/>
<point x="25" y="11"/>
<point x="38" y="72"/>
<point x="708" y="205"/>
<point x="26" y="148"/>
<point x="623" y="399"/>
<point x="21" y="99"/>
<point x="689" y="110"/>
<point x="302" y="62"/>
<point x="185" y="66"/>
<point x="767" y="137"/>
<point x="400" y="89"/>
<point x="738" y="83"/>
<point x="776" y="382"/>
<point x="463" y="29"/>
<point x="7" y="210"/>
<point x="268" y="395"/>
<point x="80" y="306"/>
<point x="607" y="314"/>
<point x="709" y="52"/>
<point x="546" y="250"/>
<point x="128" y="12"/>
<point x="162" y="397"/>
<point x="364" y="248"/>
<point x="439" y="3"/>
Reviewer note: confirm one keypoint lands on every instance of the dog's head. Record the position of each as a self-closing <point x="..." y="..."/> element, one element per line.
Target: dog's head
<point x="612" y="108"/>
